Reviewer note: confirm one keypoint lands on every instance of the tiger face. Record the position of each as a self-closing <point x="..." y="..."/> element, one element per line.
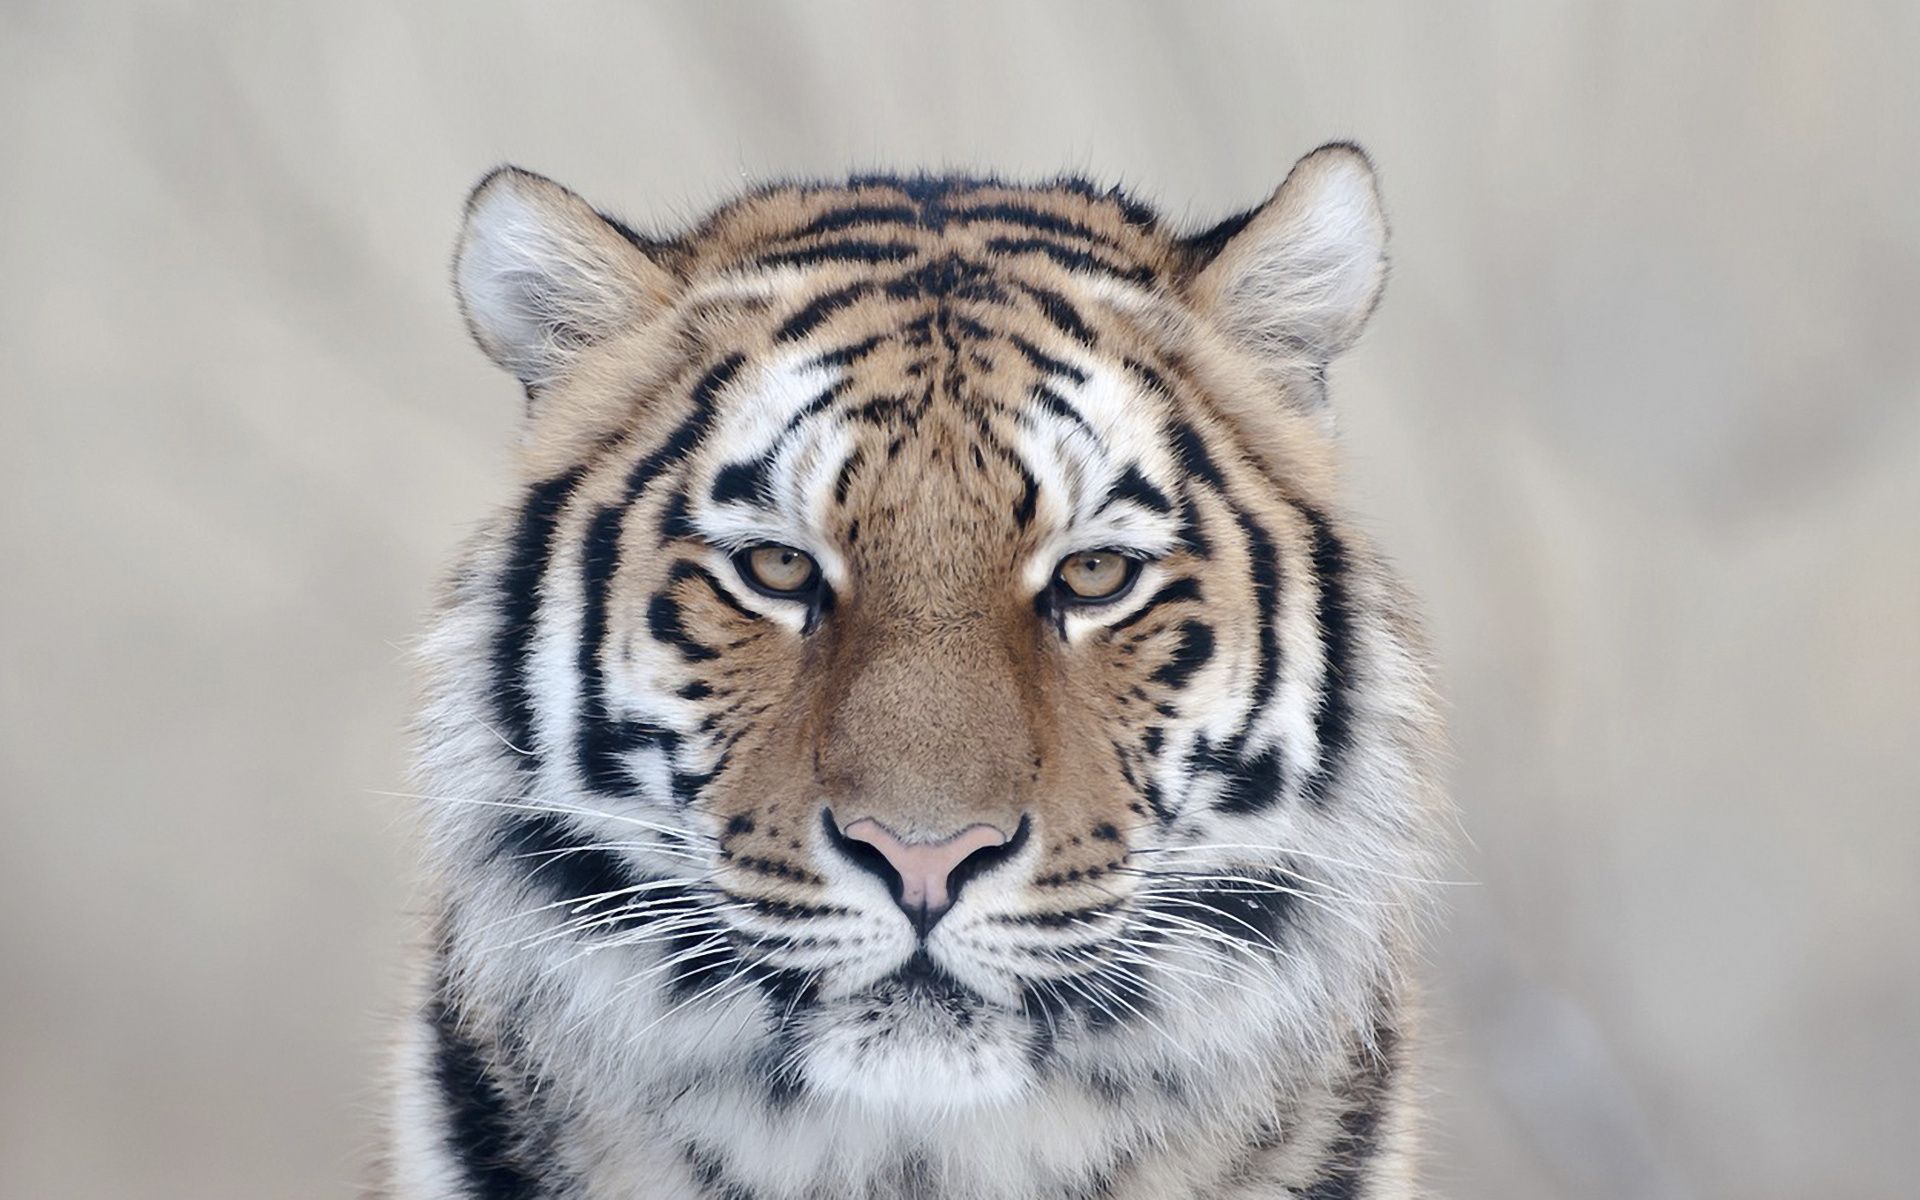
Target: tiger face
<point x="926" y="661"/>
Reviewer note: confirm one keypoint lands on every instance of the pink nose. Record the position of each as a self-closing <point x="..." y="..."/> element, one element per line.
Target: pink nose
<point x="924" y="868"/>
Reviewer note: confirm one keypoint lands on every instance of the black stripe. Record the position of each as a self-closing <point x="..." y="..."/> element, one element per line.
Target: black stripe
<point x="817" y="310"/>
<point x="1058" y="310"/>
<point x="1248" y="783"/>
<point x="1057" y="404"/>
<point x="1254" y="782"/>
<point x="1134" y="486"/>
<point x="851" y="250"/>
<point x="481" y="1133"/>
<point x="1046" y="362"/>
<point x="1131" y="211"/>
<point x="1344" y="1175"/>
<point x="602" y="743"/>
<point x="1184" y="588"/>
<point x="843" y="481"/>
<point x="1193" y="652"/>
<point x="848" y="355"/>
<point x="527" y="558"/>
<point x="1264" y="565"/>
<point x="1029" y="498"/>
<point x="664" y="623"/>
<point x="858" y="214"/>
<point x="685" y="570"/>
<point x="1333" y="613"/>
<point x="1194" y="455"/>
<point x="1007" y="213"/>
<point x="1255" y="912"/>
<point x="674" y="522"/>
<point x="811" y="408"/>
<point x="568" y="865"/>
<point x="687" y="434"/>
<point x="1070" y="257"/>
<point x="1251" y="783"/>
<point x="1191" y="534"/>
<point x="743" y="481"/>
<point x="1204" y="247"/>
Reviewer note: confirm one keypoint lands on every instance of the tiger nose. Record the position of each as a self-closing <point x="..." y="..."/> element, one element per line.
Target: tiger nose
<point x="924" y="877"/>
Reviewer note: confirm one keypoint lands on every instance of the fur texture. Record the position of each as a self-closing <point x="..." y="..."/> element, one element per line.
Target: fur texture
<point x="658" y="969"/>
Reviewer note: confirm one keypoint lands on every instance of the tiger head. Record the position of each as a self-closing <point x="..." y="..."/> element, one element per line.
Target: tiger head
<point x="927" y="658"/>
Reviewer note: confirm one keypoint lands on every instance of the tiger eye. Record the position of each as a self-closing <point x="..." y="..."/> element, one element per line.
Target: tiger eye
<point x="1095" y="574"/>
<point x="780" y="568"/>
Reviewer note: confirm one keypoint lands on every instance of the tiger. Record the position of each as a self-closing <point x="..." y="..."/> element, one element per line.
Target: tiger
<point x="925" y="726"/>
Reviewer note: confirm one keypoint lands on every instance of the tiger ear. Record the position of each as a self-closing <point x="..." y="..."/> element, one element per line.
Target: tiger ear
<point x="1296" y="279"/>
<point x="540" y="274"/>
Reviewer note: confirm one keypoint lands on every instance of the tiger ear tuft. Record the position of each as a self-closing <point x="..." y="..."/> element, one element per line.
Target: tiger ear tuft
<point x="540" y="274"/>
<point x="1295" y="281"/>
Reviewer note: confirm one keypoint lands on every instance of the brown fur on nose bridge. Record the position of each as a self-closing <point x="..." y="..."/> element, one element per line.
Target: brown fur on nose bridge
<point x="928" y="728"/>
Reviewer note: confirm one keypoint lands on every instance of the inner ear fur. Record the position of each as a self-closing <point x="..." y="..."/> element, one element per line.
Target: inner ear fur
<point x="1295" y="283"/>
<point x="541" y="275"/>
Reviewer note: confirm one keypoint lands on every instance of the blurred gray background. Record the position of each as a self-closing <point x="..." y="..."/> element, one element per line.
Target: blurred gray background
<point x="1638" y="417"/>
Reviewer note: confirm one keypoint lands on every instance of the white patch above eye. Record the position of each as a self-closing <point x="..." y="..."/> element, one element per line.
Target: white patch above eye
<point x="760" y="424"/>
<point x="1076" y="475"/>
<point x="757" y="418"/>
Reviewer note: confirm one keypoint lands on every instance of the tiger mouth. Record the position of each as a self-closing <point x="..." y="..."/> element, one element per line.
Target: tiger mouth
<point x="920" y="980"/>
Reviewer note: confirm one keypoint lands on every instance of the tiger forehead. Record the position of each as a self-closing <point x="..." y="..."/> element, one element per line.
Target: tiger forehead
<point x="1063" y="224"/>
<point x="941" y="428"/>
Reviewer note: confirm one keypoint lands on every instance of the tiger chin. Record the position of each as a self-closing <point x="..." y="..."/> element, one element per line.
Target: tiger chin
<point x="924" y="726"/>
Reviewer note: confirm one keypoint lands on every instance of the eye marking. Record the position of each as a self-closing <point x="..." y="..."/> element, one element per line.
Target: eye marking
<point x="1095" y="576"/>
<point x="778" y="571"/>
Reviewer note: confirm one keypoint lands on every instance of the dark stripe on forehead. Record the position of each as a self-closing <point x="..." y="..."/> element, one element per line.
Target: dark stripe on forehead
<point x="851" y="250"/>
<point x="1072" y="258"/>
<point x="817" y="310"/>
<point x="1007" y="213"/>
<point x="858" y="214"/>
<point x="1043" y="361"/>
<point x="687" y="434"/>
<point x="848" y="355"/>
<point x="1058" y="310"/>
